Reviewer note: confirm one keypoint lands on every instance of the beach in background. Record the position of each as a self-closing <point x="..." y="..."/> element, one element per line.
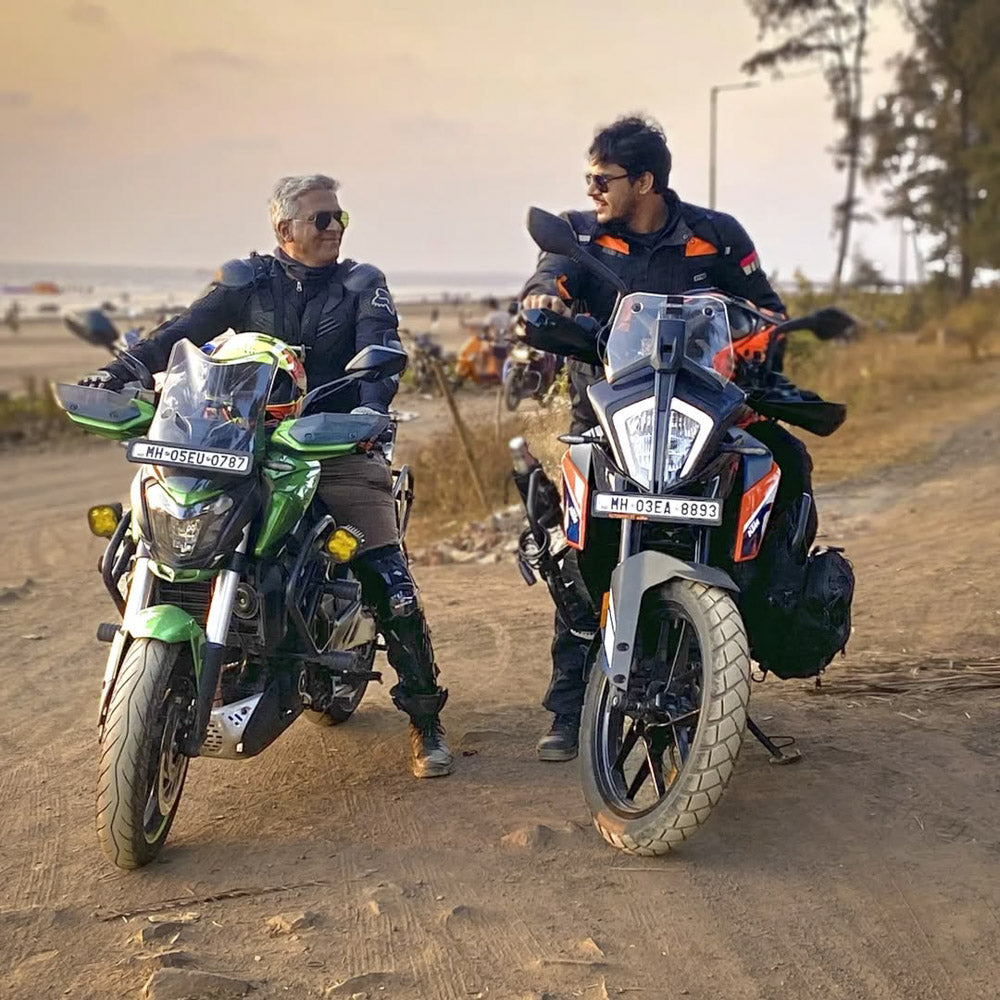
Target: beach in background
<point x="47" y="290"/>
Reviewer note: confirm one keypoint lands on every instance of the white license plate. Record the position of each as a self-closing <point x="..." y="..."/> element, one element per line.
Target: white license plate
<point x="687" y="510"/>
<point x="175" y="455"/>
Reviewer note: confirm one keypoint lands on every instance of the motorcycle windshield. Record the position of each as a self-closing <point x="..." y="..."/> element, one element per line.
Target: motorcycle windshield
<point x="708" y="340"/>
<point x="210" y="404"/>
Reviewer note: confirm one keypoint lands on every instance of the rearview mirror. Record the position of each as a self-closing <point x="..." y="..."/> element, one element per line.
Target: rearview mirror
<point x="93" y="326"/>
<point x="385" y="360"/>
<point x="552" y="234"/>
<point x="555" y="235"/>
<point x="832" y="323"/>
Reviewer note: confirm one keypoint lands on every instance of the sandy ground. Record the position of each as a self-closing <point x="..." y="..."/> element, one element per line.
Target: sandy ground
<point x="867" y="871"/>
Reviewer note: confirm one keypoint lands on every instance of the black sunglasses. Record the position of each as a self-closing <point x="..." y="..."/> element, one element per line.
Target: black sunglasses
<point x="322" y="220"/>
<point x="601" y="181"/>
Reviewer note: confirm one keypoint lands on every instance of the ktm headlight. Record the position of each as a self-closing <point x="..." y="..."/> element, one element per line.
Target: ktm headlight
<point x="184" y="532"/>
<point x="633" y="427"/>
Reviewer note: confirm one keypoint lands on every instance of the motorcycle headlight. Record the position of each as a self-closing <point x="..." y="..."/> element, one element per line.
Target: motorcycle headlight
<point x="184" y="532"/>
<point x="633" y="426"/>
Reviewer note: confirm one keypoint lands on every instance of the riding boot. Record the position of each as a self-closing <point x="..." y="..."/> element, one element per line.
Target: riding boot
<point x="386" y="576"/>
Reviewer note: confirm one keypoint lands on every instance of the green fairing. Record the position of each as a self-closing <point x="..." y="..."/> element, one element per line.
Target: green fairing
<point x="171" y="575"/>
<point x="187" y="497"/>
<point x="292" y="490"/>
<point x="117" y="431"/>
<point x="168" y="623"/>
<point x="282" y="440"/>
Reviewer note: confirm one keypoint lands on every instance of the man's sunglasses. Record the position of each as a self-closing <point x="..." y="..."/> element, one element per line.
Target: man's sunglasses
<point x="322" y="220"/>
<point x="601" y="181"/>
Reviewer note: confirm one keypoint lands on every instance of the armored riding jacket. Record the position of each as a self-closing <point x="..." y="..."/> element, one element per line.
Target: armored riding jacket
<point x="333" y="312"/>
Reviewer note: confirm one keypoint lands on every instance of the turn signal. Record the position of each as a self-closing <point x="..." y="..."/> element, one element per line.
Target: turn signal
<point x="342" y="545"/>
<point x="104" y="519"/>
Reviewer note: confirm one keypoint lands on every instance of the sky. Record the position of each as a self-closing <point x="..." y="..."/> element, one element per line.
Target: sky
<point x="152" y="132"/>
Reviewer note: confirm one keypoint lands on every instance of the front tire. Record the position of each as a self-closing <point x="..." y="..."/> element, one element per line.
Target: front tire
<point x="142" y="770"/>
<point x="640" y="802"/>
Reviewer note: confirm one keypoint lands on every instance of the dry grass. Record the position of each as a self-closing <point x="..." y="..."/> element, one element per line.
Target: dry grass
<point x="446" y="495"/>
<point x="33" y="416"/>
<point x="904" y="399"/>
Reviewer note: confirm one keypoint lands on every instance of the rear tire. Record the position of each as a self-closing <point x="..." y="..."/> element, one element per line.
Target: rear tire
<point x="142" y="771"/>
<point x="705" y="761"/>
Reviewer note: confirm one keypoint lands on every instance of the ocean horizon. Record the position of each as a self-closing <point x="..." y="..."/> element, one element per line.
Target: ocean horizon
<point x="144" y="287"/>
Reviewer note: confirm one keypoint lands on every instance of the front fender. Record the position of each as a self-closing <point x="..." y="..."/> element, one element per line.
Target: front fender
<point x="629" y="583"/>
<point x="168" y="623"/>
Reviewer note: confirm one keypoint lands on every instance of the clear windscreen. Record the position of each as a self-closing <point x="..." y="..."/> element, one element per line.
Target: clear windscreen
<point x="708" y="341"/>
<point x="211" y="404"/>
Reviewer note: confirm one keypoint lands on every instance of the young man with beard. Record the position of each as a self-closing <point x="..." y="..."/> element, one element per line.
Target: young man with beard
<point x="305" y="295"/>
<point x="656" y="243"/>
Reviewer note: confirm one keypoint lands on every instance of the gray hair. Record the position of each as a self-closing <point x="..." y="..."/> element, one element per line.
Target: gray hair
<point x="284" y="201"/>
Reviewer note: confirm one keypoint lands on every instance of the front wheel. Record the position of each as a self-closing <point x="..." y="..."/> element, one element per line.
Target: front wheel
<point x="142" y="769"/>
<point x="656" y="759"/>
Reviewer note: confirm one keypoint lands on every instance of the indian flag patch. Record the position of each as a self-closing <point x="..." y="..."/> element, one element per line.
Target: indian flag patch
<point x="750" y="263"/>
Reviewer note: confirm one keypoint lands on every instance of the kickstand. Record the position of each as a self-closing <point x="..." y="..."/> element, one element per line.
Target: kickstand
<point x="778" y="754"/>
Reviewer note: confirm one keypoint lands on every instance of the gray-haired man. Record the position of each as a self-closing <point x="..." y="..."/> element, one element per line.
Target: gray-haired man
<point x="304" y="295"/>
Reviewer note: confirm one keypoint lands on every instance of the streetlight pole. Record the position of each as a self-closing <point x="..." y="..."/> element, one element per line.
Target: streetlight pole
<point x="713" y="119"/>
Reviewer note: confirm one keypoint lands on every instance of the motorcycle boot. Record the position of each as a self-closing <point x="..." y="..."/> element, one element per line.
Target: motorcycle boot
<point x="385" y="576"/>
<point x="562" y="741"/>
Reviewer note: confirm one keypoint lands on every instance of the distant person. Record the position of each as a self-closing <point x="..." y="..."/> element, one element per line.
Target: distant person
<point x="434" y="323"/>
<point x="12" y="317"/>
<point x="497" y="321"/>
<point x="655" y="243"/>
<point x="303" y="294"/>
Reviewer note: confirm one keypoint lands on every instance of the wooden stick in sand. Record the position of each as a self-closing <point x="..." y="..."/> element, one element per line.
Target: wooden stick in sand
<point x="463" y="434"/>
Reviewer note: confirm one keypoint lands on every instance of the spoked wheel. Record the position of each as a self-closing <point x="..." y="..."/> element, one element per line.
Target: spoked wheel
<point x="656" y="759"/>
<point x="142" y="769"/>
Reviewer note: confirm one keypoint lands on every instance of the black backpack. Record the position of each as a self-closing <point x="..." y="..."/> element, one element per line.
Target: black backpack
<point x="800" y="635"/>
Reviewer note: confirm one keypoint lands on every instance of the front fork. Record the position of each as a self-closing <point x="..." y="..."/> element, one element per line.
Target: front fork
<point x="212" y="651"/>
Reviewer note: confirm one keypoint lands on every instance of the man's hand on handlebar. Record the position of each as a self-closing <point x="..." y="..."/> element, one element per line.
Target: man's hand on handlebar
<point x="550" y="302"/>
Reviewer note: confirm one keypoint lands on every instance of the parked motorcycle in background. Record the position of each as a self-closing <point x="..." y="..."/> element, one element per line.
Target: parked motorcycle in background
<point x="528" y="374"/>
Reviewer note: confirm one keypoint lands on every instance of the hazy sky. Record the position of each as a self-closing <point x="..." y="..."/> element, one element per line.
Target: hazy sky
<point x="151" y="132"/>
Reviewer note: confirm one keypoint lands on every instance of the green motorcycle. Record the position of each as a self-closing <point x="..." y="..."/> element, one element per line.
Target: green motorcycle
<point x="239" y="608"/>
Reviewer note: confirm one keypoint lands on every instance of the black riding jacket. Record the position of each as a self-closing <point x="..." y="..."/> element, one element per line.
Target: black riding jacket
<point x="332" y="311"/>
<point x="697" y="248"/>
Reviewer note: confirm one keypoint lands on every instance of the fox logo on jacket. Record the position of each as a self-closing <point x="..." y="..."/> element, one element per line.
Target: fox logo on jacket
<point x="383" y="300"/>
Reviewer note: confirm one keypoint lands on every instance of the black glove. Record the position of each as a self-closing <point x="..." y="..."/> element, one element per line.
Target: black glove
<point x="102" y="379"/>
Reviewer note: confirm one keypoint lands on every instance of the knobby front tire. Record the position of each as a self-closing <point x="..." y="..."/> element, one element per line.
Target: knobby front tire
<point x="691" y="786"/>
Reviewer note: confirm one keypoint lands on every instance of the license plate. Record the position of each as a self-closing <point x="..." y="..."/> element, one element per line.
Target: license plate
<point x="687" y="510"/>
<point x="178" y="456"/>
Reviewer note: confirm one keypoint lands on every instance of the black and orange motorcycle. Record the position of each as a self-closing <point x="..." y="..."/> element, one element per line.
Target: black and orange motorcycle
<point x="667" y="500"/>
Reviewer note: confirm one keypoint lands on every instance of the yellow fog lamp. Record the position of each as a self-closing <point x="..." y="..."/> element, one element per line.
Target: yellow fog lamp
<point x="342" y="545"/>
<point x="104" y="519"/>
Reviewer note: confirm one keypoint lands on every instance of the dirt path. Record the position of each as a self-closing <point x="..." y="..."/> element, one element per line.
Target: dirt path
<point x="867" y="871"/>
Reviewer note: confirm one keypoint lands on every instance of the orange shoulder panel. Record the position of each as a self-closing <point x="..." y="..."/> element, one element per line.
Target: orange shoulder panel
<point x="612" y="243"/>
<point x="697" y="247"/>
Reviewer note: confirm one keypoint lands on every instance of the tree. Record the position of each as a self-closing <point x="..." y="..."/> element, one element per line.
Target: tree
<point x="866" y="273"/>
<point x="936" y="136"/>
<point x="834" y="34"/>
